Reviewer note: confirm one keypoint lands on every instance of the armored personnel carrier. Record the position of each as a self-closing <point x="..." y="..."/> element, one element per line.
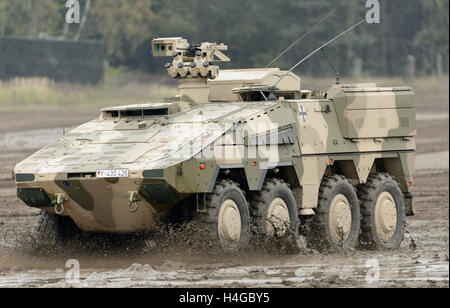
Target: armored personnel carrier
<point x="242" y="152"/>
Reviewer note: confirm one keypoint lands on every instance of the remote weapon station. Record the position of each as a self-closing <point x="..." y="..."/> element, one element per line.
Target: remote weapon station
<point x="240" y="152"/>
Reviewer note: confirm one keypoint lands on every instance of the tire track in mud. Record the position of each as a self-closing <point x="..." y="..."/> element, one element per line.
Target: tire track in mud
<point x="289" y="275"/>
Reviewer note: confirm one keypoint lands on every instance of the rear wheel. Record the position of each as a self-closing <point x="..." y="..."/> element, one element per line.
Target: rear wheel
<point x="226" y="216"/>
<point x="274" y="212"/>
<point x="383" y="213"/>
<point x="336" y="225"/>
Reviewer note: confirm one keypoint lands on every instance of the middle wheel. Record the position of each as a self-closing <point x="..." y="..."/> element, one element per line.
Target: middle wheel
<point x="274" y="209"/>
<point x="337" y="224"/>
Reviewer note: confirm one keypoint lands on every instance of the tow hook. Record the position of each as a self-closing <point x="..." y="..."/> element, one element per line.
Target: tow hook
<point x="59" y="203"/>
<point x="133" y="200"/>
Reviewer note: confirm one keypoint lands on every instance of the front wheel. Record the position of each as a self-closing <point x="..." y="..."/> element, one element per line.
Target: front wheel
<point x="53" y="228"/>
<point x="226" y="216"/>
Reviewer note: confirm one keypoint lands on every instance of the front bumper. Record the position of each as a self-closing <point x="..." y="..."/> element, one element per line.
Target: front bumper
<point x="102" y="205"/>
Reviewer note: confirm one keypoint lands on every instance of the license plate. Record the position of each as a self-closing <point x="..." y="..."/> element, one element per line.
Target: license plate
<point x="116" y="173"/>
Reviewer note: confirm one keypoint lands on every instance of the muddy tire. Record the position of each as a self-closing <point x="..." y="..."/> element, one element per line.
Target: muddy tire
<point x="274" y="213"/>
<point x="336" y="225"/>
<point x="383" y="213"/>
<point x="52" y="228"/>
<point x="226" y="217"/>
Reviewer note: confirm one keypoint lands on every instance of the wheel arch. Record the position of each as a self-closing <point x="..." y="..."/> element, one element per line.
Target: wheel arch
<point x="251" y="177"/>
<point x="235" y="172"/>
<point x="400" y="167"/>
<point x="358" y="168"/>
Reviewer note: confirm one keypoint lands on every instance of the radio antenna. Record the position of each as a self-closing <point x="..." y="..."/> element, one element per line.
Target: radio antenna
<point x="317" y="50"/>
<point x="333" y="68"/>
<point x="301" y="38"/>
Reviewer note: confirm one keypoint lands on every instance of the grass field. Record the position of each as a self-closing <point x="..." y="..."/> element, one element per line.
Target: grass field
<point x="122" y="88"/>
<point x="117" y="89"/>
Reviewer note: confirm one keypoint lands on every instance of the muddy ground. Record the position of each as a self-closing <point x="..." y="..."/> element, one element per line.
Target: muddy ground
<point x="151" y="260"/>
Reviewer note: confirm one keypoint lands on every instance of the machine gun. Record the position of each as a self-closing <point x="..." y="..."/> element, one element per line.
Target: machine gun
<point x="190" y="61"/>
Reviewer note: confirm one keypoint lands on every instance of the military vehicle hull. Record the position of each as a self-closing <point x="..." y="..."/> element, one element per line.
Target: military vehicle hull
<point x="305" y="136"/>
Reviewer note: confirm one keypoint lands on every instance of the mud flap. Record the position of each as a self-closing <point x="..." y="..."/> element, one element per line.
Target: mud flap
<point x="409" y="205"/>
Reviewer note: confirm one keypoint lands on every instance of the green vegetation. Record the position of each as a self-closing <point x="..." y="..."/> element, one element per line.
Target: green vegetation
<point x="123" y="87"/>
<point x="256" y="30"/>
<point x="120" y="88"/>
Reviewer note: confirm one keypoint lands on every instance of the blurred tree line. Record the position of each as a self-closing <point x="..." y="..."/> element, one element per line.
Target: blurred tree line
<point x="255" y="30"/>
